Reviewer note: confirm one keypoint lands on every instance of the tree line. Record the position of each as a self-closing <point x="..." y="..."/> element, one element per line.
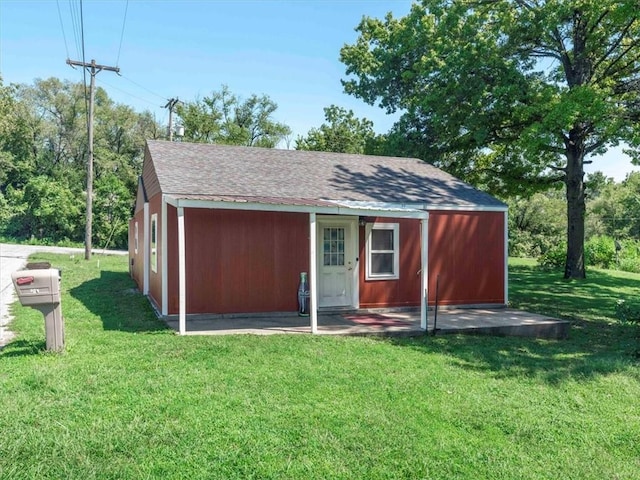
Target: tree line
<point x="43" y="155"/>
<point x="43" y="160"/>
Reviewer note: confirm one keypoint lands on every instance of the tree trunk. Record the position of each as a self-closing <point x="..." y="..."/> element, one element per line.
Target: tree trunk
<point x="574" y="264"/>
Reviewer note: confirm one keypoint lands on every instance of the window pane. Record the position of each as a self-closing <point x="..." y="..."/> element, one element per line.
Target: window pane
<point x="327" y="234"/>
<point x="327" y="259"/>
<point x="382" y="263"/>
<point x="381" y="239"/>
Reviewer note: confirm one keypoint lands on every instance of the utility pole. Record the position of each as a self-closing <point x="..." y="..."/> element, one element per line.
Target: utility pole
<point x="93" y="69"/>
<point x="170" y="105"/>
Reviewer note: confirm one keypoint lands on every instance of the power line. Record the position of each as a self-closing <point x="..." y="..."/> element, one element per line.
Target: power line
<point x="163" y="97"/>
<point x="62" y="27"/>
<point x="84" y="71"/>
<point x="126" y="8"/>
<point x="155" y="104"/>
<point x="75" y="26"/>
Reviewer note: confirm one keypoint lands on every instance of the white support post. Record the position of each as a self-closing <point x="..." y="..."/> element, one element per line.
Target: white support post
<point x="146" y="238"/>
<point x="182" y="277"/>
<point x="164" y="252"/>
<point x="424" y="277"/>
<point x="506" y="258"/>
<point x="313" y="273"/>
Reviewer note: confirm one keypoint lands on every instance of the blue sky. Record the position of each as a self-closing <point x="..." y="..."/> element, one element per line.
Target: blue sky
<point x="288" y="50"/>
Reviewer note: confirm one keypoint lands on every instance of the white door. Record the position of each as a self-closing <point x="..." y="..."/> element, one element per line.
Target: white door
<point x="336" y="263"/>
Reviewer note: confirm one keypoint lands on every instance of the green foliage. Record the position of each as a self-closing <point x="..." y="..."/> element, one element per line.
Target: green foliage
<point x="536" y="223"/>
<point x="629" y="264"/>
<point x="43" y="152"/>
<point x="50" y="210"/>
<point x="111" y="212"/>
<point x="554" y="256"/>
<point x="627" y="311"/>
<point x="5" y="211"/>
<point x="615" y="210"/>
<point x="600" y="252"/>
<point x="343" y="132"/>
<point x="225" y="118"/>
<point x="629" y="255"/>
<point x="613" y="213"/>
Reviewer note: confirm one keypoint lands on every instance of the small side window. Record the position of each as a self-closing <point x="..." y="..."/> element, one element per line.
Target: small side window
<point x="135" y="238"/>
<point x="154" y="242"/>
<point x="383" y="245"/>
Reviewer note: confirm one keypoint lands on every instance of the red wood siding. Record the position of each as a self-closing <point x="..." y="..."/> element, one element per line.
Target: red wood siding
<point x="239" y="261"/>
<point x="404" y="291"/>
<point x="467" y="250"/>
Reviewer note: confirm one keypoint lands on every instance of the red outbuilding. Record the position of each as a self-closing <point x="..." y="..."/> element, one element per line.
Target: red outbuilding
<point x="223" y="229"/>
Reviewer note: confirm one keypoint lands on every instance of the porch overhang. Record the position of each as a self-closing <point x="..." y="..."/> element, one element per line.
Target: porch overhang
<point x="293" y="205"/>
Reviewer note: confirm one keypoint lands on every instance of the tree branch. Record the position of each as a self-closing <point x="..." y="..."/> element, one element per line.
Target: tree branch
<point x="594" y="147"/>
<point x="615" y="45"/>
<point x="598" y="21"/>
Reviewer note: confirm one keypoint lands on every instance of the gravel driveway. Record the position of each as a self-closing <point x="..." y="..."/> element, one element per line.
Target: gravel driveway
<point x="12" y="258"/>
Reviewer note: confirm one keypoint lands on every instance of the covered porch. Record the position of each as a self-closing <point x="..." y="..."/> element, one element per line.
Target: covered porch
<point x="473" y="321"/>
<point x="345" y="216"/>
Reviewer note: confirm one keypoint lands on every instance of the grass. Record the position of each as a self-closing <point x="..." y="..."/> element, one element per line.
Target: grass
<point x="129" y="399"/>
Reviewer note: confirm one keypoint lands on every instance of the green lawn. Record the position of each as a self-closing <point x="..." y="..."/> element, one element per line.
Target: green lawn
<point x="129" y="399"/>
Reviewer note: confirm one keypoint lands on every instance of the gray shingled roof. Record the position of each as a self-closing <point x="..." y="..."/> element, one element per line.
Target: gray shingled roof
<point x="203" y="170"/>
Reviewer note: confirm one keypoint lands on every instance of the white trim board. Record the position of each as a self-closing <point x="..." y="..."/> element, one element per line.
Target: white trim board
<point x="401" y="210"/>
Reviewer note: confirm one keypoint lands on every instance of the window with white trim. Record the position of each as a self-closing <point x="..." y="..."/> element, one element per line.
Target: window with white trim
<point x="154" y="242"/>
<point x="135" y="238"/>
<point x="383" y="248"/>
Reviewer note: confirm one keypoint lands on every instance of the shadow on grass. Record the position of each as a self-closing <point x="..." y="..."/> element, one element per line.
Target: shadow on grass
<point x="591" y="352"/>
<point x="20" y="348"/>
<point x="120" y="306"/>
<point x="599" y="344"/>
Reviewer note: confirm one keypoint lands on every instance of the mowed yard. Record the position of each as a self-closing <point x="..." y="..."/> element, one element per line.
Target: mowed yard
<point x="130" y="399"/>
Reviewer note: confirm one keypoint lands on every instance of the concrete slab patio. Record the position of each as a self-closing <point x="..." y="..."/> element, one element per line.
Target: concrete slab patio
<point x="500" y="321"/>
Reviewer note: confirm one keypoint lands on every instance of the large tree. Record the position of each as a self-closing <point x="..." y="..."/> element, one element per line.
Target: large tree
<point x="342" y="132"/>
<point x="225" y="118"/>
<point x="508" y="93"/>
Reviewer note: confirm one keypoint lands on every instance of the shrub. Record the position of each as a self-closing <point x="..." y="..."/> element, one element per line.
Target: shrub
<point x="600" y="252"/>
<point x="629" y="265"/>
<point x="627" y="312"/>
<point x="554" y="256"/>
